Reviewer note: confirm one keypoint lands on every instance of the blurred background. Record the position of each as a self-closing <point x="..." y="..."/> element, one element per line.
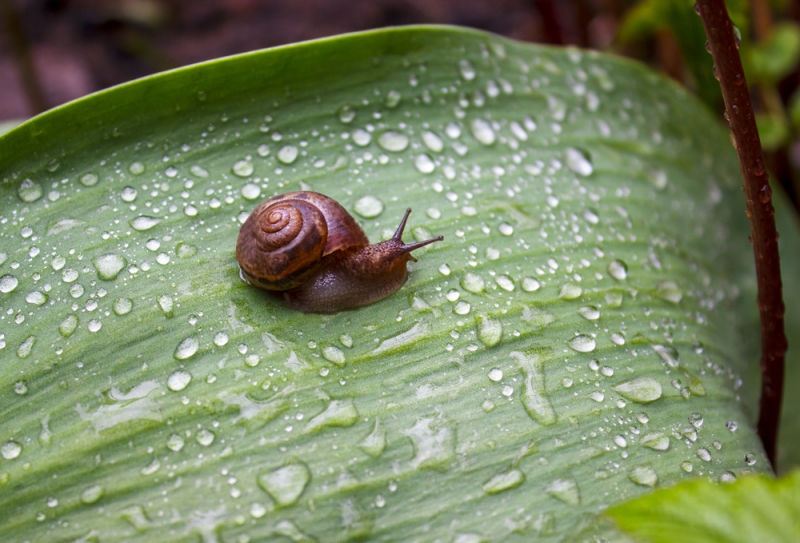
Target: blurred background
<point x="53" y="51"/>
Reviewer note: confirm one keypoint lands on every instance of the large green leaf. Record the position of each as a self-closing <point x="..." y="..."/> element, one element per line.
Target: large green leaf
<point x="575" y="340"/>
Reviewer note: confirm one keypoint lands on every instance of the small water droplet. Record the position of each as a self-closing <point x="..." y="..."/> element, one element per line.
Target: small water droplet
<point x="361" y="137"/>
<point x="669" y="291"/>
<point x="8" y="283"/>
<point x="655" y="441"/>
<point x="136" y="168"/>
<point x="432" y="141"/>
<point x="687" y="466"/>
<point x="473" y="283"/>
<point x="92" y="494"/>
<point x="108" y="266"/>
<point x="89" y="179"/>
<point x="375" y="443"/>
<point x="334" y="354"/>
<point x="25" y="348"/>
<point x="251" y="191"/>
<point x="529" y="284"/>
<point x="503" y="481"/>
<point x="668" y="354"/>
<point x="205" y="437"/>
<point x="466" y="69"/>
<point x="565" y="490"/>
<point x="10" y="450"/>
<point x="392" y="99"/>
<point x="589" y="312"/>
<point x="505" y="283"/>
<point x="424" y="163"/>
<point x="703" y="454"/>
<point x="750" y="459"/>
<point x="175" y="442"/>
<point x="490" y="331"/>
<point x="570" y="291"/>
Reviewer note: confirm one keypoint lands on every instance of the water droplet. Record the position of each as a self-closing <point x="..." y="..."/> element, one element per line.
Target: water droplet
<point x="534" y="396"/>
<point x="579" y="162"/>
<point x="251" y="191"/>
<point x="8" y="283"/>
<point x="20" y="388"/>
<point x="368" y="207"/>
<point x="434" y="444"/>
<point x="565" y="490"/>
<point x="288" y="154"/>
<point x="504" y="481"/>
<point x="639" y="389"/>
<point x="696" y="420"/>
<point x="165" y="303"/>
<point x="462" y="308"/>
<point x="361" y="137"/>
<point x="175" y="442"/>
<point x="186" y="348"/>
<point x="375" y="443"/>
<point x="89" y="179"/>
<point x="687" y="466"/>
<point x="618" y="269"/>
<point x="333" y="354"/>
<point x="338" y="413"/>
<point x="25" y="348"/>
<point x="179" y="380"/>
<point x="10" y="450"/>
<point x="128" y="194"/>
<point x="490" y="331"/>
<point x="424" y="163"/>
<point x="750" y="459"/>
<point x="505" y="229"/>
<point x="467" y="69"/>
<point x="144" y="222"/>
<point x="732" y="425"/>
<point x="473" y="283"/>
<point x="482" y="131"/>
<point x="432" y="141"/>
<point x="198" y="171"/>
<point x="108" y="266"/>
<point x="669" y="291"/>
<point x="136" y="168"/>
<point x="29" y="191"/>
<point x="505" y="283"/>
<point x="703" y="454"/>
<point x="589" y="312"/>
<point x="94" y="325"/>
<point x="570" y="291"/>
<point x="392" y="99"/>
<point x="582" y="343"/>
<point x="122" y="306"/>
<point x="529" y="284"/>
<point x="643" y="475"/>
<point x="220" y="339"/>
<point x="393" y="141"/>
<point x="655" y="441"/>
<point x="346" y="114"/>
<point x="243" y="168"/>
<point x="668" y="354"/>
<point x="205" y="437"/>
<point x="92" y="495"/>
<point x="68" y="325"/>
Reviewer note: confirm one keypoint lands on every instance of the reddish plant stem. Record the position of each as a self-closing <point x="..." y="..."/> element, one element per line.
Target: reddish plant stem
<point x="764" y="236"/>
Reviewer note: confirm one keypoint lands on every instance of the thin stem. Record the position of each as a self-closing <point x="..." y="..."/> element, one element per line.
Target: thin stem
<point x="758" y="195"/>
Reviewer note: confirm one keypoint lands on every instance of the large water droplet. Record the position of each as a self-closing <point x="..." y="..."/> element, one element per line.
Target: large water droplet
<point x="285" y="484"/>
<point x="25" y="348"/>
<point x="8" y="283"/>
<point x="108" y="266"/>
<point x="529" y="284"/>
<point x="643" y="475"/>
<point x="618" y="269"/>
<point x="10" y="450"/>
<point x="288" y="154"/>
<point x="179" y="380"/>
<point x="473" y="283"/>
<point x="578" y="161"/>
<point x="338" y="413"/>
<point x="565" y="490"/>
<point x="655" y="441"/>
<point x="122" y="306"/>
<point x="29" y="191"/>
<point x="334" y="354"/>
<point x="375" y="442"/>
<point x="243" y="168"/>
<point x="570" y="291"/>
<point x="144" y="222"/>
<point x="432" y="141"/>
<point x="640" y="389"/>
<point x="504" y="481"/>
<point x="490" y="331"/>
<point x="669" y="291"/>
<point x="186" y="348"/>
<point x="393" y="141"/>
<point x="582" y="343"/>
<point x="424" y="163"/>
<point x="368" y="207"/>
<point x="482" y="131"/>
<point x="534" y="395"/>
<point x="361" y="137"/>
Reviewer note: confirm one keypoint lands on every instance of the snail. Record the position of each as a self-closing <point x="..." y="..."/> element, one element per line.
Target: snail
<point x="306" y="249"/>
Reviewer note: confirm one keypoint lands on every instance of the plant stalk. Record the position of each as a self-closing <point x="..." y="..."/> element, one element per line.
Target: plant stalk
<point x="758" y="195"/>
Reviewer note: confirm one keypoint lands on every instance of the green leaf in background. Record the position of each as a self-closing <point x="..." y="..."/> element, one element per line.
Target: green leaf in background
<point x="751" y="509"/>
<point x="582" y="335"/>
<point x="778" y="55"/>
<point x="772" y="130"/>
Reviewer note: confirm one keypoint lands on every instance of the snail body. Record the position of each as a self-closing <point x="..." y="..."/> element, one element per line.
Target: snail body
<point x="309" y="252"/>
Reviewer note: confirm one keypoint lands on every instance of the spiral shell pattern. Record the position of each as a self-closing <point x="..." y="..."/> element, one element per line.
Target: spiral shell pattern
<point x="282" y="243"/>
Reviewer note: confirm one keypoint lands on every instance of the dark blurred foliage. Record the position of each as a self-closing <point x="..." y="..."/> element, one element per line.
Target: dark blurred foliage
<point x="52" y="51"/>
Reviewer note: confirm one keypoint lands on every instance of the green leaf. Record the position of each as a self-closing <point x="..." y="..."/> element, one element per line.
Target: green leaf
<point x="751" y="509"/>
<point x="772" y="130"/>
<point x="778" y="55"/>
<point x="581" y="335"/>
